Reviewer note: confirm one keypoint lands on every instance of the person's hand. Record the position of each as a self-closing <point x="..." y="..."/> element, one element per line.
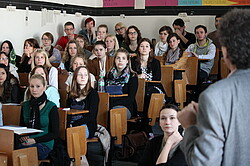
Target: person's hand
<point x="29" y="141"/>
<point x="142" y="76"/>
<point x="98" y="38"/>
<point x="174" y="139"/>
<point x="194" y="54"/>
<point x="187" y="116"/>
<point x="178" y="32"/>
<point x="27" y="52"/>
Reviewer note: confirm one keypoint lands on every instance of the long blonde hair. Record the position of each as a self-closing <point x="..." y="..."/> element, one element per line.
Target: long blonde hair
<point x="47" y="64"/>
<point x="114" y="39"/>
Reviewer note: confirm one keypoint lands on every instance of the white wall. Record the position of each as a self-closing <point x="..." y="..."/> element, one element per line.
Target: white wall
<point x="16" y="29"/>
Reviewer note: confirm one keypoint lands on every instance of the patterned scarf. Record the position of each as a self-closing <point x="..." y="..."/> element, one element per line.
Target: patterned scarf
<point x="114" y="79"/>
<point x="172" y="56"/>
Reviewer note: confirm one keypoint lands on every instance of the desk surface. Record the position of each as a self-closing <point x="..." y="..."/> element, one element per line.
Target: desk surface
<point x="123" y="95"/>
<point x="74" y="112"/>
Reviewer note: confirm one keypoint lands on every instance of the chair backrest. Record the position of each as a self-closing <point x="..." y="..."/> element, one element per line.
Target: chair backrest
<point x="167" y="78"/>
<point x="103" y="109"/>
<point x="180" y="92"/>
<point x="62" y="123"/>
<point x="192" y="70"/>
<point x="23" y="79"/>
<point x="118" y="123"/>
<point x="140" y="94"/>
<point x="11" y="114"/>
<point x="3" y="159"/>
<point x="156" y="103"/>
<point x="215" y="68"/>
<point x="63" y="97"/>
<point x="25" y="157"/>
<point x="7" y="143"/>
<point x="224" y="71"/>
<point x="76" y="143"/>
<point x="61" y="81"/>
<point x="159" y="58"/>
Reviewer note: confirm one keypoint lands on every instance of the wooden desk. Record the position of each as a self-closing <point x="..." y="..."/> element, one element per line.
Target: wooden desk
<point x="123" y="95"/>
<point x="7" y="143"/>
<point x="75" y="112"/>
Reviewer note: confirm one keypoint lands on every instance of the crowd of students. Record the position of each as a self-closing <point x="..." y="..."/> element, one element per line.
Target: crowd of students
<point x="121" y="59"/>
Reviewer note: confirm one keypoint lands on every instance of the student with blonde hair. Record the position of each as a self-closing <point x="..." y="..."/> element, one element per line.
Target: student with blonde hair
<point x="112" y="44"/>
<point x="41" y="58"/>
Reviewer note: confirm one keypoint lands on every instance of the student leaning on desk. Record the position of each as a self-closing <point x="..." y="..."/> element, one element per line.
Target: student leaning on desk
<point x="39" y="113"/>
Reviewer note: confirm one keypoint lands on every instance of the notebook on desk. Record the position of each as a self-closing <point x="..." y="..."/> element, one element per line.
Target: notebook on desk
<point x="21" y="130"/>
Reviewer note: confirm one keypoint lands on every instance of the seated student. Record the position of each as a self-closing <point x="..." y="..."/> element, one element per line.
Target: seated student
<point x="72" y="49"/>
<point x="112" y="45"/>
<point x="7" y="47"/>
<point x="174" y="55"/>
<point x="120" y="30"/>
<point x="187" y="38"/>
<point x="83" y="43"/>
<point x="102" y="63"/>
<point x="203" y="49"/>
<point x="51" y="92"/>
<point x="9" y="86"/>
<point x="83" y="97"/>
<point x="102" y="31"/>
<point x="53" y="53"/>
<point x="132" y="38"/>
<point x="77" y="61"/>
<point x="30" y="46"/>
<point x="162" y="46"/>
<point x="89" y="30"/>
<point x="40" y="57"/>
<point x="4" y="59"/>
<point x="69" y="29"/>
<point x="39" y="113"/>
<point x="165" y="149"/>
<point x="144" y="63"/>
<point x="121" y="74"/>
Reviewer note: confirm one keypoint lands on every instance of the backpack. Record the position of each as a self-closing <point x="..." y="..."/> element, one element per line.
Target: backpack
<point x="133" y="146"/>
<point x="59" y="155"/>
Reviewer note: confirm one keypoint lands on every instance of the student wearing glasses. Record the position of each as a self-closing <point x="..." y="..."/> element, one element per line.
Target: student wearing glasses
<point x="69" y="29"/>
<point x="132" y="38"/>
<point x="52" y="52"/>
<point x="120" y="30"/>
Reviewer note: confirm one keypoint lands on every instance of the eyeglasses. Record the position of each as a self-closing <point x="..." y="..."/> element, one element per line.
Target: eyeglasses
<point x="4" y="59"/>
<point x="118" y="29"/>
<point x="132" y="33"/>
<point x="70" y="29"/>
<point x="45" y="39"/>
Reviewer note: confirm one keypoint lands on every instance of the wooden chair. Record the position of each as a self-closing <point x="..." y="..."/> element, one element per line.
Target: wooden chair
<point x="7" y="144"/>
<point x="76" y="143"/>
<point x="118" y="124"/>
<point x="192" y="70"/>
<point x="103" y="109"/>
<point x="3" y="159"/>
<point x="167" y="77"/>
<point x="63" y="97"/>
<point x="180" y="92"/>
<point x="61" y="81"/>
<point x="140" y="94"/>
<point x="155" y="105"/>
<point x="224" y="71"/>
<point x="11" y="114"/>
<point x="23" y="80"/>
<point x="25" y="157"/>
<point x="159" y="58"/>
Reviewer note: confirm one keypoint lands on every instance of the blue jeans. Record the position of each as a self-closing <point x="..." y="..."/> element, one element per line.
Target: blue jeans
<point x="42" y="150"/>
<point x="121" y="106"/>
